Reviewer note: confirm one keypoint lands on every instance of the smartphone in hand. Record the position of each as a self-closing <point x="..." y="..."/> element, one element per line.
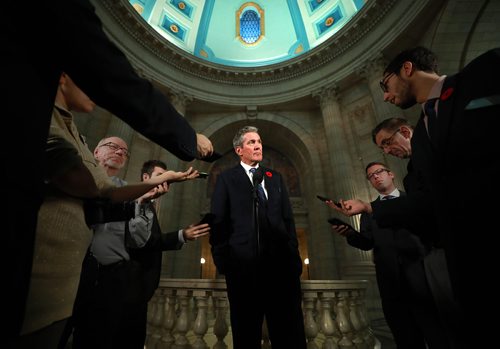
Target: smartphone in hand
<point x="336" y="221"/>
<point x="325" y="199"/>
<point x="202" y="175"/>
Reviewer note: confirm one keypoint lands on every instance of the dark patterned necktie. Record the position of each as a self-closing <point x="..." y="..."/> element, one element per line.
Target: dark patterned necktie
<point x="387" y="197"/>
<point x="260" y="190"/>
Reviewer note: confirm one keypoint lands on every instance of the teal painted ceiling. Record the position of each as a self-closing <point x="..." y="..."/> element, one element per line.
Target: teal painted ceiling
<point x="247" y="34"/>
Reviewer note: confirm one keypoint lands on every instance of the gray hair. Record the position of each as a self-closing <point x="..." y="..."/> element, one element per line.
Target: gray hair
<point x="238" y="138"/>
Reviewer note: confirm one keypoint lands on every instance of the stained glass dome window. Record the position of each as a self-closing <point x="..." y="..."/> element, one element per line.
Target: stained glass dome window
<point x="250" y="27"/>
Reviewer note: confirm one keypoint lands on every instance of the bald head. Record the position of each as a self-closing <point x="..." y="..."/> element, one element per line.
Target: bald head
<point x="112" y="153"/>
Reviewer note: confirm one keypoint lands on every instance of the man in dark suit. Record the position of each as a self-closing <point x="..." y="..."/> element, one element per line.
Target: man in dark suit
<point x="450" y="144"/>
<point x="122" y="272"/>
<point x="453" y="144"/>
<point x="68" y="37"/>
<point x="149" y="256"/>
<point x="414" y="212"/>
<point x="254" y="244"/>
<point x="398" y="254"/>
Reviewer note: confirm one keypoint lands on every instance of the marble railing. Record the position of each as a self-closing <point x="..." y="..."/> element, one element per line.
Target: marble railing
<point x="194" y="313"/>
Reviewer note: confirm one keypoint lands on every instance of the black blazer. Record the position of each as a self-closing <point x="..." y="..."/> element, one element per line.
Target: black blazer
<point x="233" y="238"/>
<point x="457" y="170"/>
<point x="149" y="257"/>
<point x="69" y="38"/>
<point x="393" y="249"/>
<point x="413" y="211"/>
<point x="467" y="152"/>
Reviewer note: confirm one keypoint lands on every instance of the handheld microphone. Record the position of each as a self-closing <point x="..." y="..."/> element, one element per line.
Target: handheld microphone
<point x="258" y="176"/>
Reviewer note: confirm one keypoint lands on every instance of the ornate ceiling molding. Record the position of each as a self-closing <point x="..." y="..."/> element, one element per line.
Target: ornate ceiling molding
<point x="362" y="23"/>
<point x="338" y="60"/>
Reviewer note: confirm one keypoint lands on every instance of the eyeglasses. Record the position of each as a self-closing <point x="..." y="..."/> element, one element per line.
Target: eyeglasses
<point x="384" y="81"/>
<point x="115" y="147"/>
<point x="377" y="172"/>
<point x="388" y="141"/>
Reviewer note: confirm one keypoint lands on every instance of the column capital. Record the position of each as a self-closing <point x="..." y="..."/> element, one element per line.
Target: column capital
<point x="373" y="68"/>
<point x="180" y="99"/>
<point x="327" y="94"/>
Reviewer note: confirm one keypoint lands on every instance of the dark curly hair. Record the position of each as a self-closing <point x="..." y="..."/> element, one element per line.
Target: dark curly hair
<point x="422" y="58"/>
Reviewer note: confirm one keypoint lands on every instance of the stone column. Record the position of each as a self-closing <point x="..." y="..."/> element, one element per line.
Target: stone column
<point x="341" y="165"/>
<point x="338" y="148"/>
<point x="372" y="71"/>
<point x="178" y="210"/>
<point x="179" y="100"/>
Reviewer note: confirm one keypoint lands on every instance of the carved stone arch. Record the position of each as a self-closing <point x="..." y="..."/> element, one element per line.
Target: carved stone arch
<point x="220" y="133"/>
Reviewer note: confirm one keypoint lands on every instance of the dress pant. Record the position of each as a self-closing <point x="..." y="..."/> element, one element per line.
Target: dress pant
<point x="269" y="287"/>
<point x="109" y="305"/>
<point x="451" y="315"/>
<point x="423" y="307"/>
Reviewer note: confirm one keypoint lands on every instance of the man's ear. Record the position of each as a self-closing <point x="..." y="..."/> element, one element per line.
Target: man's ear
<point x="145" y="176"/>
<point x="238" y="150"/>
<point x="405" y="131"/>
<point x="408" y="68"/>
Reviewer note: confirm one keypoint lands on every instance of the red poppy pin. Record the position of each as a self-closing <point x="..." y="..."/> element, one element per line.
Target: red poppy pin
<point x="447" y="93"/>
<point x="269" y="174"/>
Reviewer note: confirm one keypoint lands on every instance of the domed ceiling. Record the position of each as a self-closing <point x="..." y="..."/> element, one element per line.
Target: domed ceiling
<point x="247" y="34"/>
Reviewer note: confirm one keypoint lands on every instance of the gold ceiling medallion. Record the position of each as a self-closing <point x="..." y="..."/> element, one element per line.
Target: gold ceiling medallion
<point x="329" y="21"/>
<point x="174" y="28"/>
<point x="138" y="8"/>
<point x="299" y="49"/>
<point x="181" y="5"/>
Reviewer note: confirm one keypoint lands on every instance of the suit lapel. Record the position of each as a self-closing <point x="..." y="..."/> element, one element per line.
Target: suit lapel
<point x="240" y="178"/>
<point x="445" y="112"/>
<point x="270" y="183"/>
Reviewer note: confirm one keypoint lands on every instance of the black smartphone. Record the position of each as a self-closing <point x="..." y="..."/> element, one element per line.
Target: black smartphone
<point x="202" y="175"/>
<point x="325" y="199"/>
<point x="215" y="156"/>
<point x="207" y="218"/>
<point x="336" y="221"/>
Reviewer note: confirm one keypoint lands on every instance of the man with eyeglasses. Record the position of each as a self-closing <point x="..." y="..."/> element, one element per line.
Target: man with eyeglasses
<point x="458" y="111"/>
<point x="63" y="235"/>
<point x="111" y="306"/>
<point x="68" y="37"/>
<point x="398" y="255"/>
<point x="394" y="136"/>
<point x="112" y="153"/>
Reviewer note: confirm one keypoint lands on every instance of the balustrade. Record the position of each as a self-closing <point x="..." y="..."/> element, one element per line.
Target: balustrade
<point x="194" y="313"/>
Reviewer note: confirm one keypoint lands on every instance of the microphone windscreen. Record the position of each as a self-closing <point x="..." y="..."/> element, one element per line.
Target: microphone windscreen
<point x="258" y="176"/>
